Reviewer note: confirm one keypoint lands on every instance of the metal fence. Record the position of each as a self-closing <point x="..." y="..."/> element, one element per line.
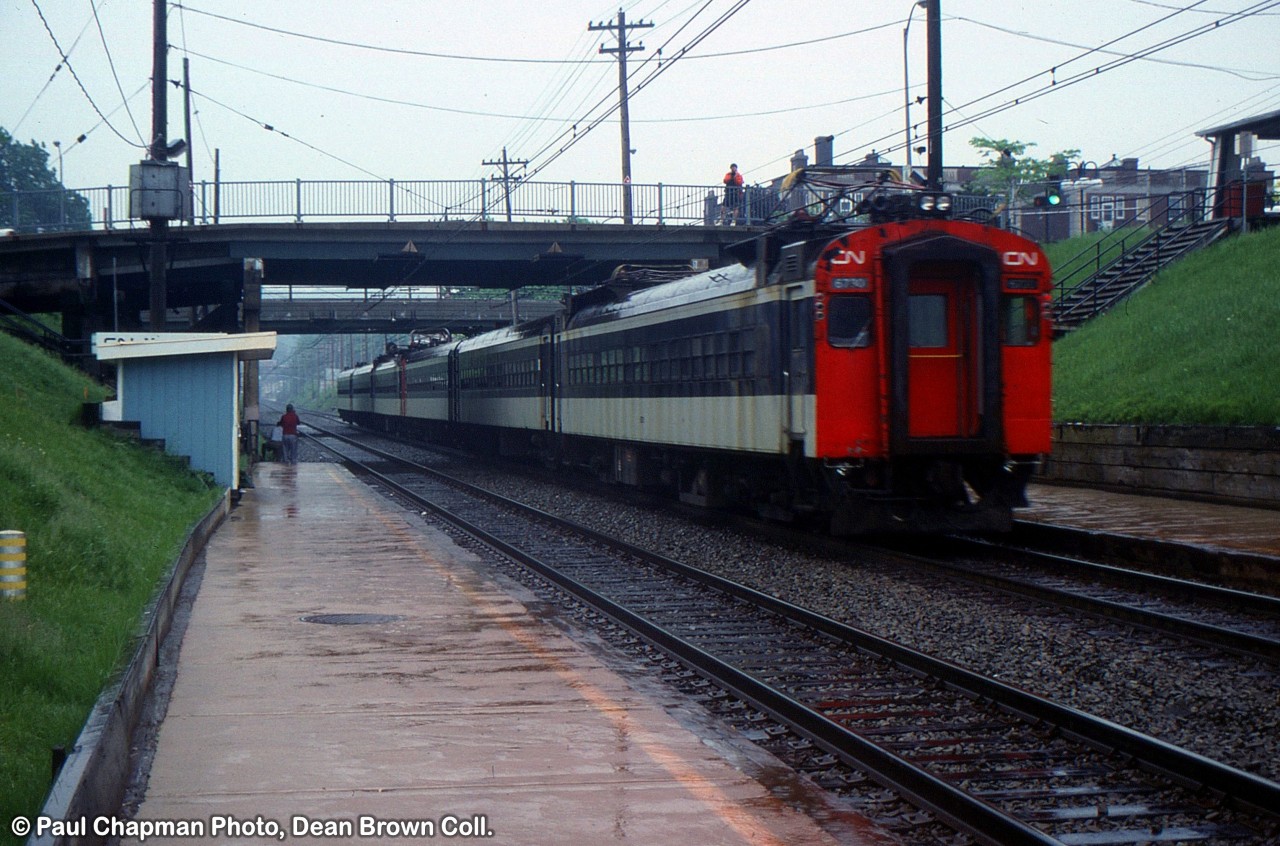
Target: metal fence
<point x="300" y="201"/>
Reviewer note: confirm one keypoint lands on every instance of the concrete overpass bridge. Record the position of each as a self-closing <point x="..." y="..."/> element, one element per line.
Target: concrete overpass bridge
<point x="295" y="313"/>
<point x="100" y="279"/>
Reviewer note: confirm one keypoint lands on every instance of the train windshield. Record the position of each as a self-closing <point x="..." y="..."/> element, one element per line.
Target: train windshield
<point x="1020" y="321"/>
<point x="849" y="321"/>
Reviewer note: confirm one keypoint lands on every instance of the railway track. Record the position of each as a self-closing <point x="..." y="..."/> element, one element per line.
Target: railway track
<point x="1244" y="623"/>
<point x="1240" y="622"/>
<point x="991" y="761"/>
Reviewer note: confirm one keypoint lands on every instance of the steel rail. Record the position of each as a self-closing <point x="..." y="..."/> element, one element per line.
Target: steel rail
<point x="1198" y="590"/>
<point x="1242" y="643"/>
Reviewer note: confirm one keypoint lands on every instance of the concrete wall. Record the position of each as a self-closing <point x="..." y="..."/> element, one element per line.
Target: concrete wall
<point x="1233" y="464"/>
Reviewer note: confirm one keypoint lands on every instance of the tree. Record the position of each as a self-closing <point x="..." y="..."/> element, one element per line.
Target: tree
<point x="1011" y="169"/>
<point x="31" y="198"/>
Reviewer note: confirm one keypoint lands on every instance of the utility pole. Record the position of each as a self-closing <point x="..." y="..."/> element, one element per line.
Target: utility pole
<point x="933" y="22"/>
<point x="623" y="48"/>
<point x="160" y="153"/>
<point x="506" y="175"/>
<point x="186" y="110"/>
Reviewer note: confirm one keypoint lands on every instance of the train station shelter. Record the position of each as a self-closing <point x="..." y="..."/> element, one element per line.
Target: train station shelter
<point x="184" y="388"/>
<point x="1240" y="179"/>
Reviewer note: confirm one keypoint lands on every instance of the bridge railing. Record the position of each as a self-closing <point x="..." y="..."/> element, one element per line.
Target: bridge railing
<point x="300" y="201"/>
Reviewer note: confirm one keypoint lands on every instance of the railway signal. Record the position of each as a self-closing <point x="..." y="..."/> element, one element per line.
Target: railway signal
<point x="1052" y="196"/>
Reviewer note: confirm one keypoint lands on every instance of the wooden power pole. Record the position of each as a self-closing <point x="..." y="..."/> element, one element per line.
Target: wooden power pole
<point x="933" y="16"/>
<point x="623" y="48"/>
<point x="506" y="164"/>
<point x="159" y="152"/>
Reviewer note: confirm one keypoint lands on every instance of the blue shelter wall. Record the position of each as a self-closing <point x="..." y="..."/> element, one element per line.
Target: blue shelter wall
<point x="190" y="402"/>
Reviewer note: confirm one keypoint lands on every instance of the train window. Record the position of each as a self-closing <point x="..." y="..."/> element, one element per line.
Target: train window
<point x="849" y="321"/>
<point x="927" y="319"/>
<point x="1020" y="321"/>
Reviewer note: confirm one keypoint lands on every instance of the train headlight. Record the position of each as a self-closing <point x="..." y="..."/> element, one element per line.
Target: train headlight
<point x="934" y="205"/>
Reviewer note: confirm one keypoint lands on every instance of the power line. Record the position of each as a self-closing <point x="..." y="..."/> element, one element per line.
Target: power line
<point x="662" y="68"/>
<point x="52" y="76"/>
<point x="76" y="76"/>
<point x="380" y="48"/>
<point x="1056" y="84"/>
<point x="1252" y="76"/>
<point x="509" y="59"/>
<point x="269" y="128"/>
<point x="102" y="36"/>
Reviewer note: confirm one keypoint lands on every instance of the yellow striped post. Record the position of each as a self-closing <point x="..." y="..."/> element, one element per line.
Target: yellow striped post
<point x="13" y="565"/>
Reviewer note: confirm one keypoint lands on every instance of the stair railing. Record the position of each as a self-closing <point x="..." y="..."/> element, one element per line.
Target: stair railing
<point x="22" y="325"/>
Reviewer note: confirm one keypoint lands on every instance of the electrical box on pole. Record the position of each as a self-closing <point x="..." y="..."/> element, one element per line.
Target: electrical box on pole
<point x="159" y="191"/>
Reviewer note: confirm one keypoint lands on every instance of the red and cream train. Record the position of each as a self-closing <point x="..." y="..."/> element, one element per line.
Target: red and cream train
<point x="887" y="376"/>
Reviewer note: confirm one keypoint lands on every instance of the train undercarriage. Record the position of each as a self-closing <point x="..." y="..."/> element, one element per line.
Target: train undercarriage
<point x="917" y="494"/>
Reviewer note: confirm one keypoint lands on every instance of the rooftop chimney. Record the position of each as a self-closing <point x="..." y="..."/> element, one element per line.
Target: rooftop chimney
<point x="822" y="155"/>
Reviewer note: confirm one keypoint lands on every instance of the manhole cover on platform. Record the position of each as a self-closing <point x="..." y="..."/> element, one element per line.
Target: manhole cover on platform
<point x="351" y="619"/>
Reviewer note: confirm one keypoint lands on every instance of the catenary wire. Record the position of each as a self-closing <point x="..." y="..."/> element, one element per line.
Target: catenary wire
<point x="111" y="62"/>
<point x="76" y="77"/>
<point x="1060" y="84"/>
<point x="52" y="76"/>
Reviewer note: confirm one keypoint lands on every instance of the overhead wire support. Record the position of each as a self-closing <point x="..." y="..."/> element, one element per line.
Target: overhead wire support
<point x="621" y="28"/>
<point x="505" y="163"/>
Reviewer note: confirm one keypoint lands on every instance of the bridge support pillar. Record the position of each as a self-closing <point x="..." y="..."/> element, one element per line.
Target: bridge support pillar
<point x="251" y="301"/>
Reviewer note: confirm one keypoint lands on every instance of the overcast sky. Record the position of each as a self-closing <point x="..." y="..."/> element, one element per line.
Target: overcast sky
<point x="428" y="89"/>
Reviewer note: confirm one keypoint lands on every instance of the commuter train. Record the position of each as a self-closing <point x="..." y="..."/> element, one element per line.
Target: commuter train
<point x="892" y="375"/>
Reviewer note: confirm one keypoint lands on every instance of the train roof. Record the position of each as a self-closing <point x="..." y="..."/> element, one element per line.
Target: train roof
<point x="529" y="329"/>
<point x="712" y="283"/>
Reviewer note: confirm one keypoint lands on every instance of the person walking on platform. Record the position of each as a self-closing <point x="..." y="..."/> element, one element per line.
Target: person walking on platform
<point x="289" y="434"/>
<point x="732" y="194"/>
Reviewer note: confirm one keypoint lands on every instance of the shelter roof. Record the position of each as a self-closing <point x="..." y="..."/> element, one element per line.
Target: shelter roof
<point x="1265" y="126"/>
<point x="111" y="346"/>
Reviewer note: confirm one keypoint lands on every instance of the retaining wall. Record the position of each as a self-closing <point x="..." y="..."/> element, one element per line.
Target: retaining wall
<point x="93" y="778"/>
<point x="1239" y="465"/>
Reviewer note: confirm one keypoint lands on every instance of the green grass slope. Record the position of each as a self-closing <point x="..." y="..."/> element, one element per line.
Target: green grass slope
<point x="104" y="518"/>
<point x="1199" y="345"/>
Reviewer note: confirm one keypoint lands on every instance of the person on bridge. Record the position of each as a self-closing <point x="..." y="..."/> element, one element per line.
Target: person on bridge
<point x="732" y="194"/>
<point x="289" y="434"/>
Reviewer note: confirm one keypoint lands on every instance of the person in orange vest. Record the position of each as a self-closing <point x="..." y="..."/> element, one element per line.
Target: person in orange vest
<point x="732" y="207"/>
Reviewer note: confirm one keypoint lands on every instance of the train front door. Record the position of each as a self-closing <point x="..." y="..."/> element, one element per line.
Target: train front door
<point x="942" y="353"/>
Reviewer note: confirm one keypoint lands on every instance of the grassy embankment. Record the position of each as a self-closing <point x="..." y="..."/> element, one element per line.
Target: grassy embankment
<point x="104" y="518"/>
<point x="1197" y="346"/>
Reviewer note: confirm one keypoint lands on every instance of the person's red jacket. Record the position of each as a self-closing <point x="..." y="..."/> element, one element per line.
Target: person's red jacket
<point x="289" y="423"/>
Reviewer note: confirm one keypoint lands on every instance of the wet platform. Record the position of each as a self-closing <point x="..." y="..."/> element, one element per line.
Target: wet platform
<point x="1212" y="535"/>
<point x="442" y="702"/>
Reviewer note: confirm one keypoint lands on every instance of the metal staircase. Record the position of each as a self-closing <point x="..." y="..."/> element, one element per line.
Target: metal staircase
<point x="1094" y="281"/>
